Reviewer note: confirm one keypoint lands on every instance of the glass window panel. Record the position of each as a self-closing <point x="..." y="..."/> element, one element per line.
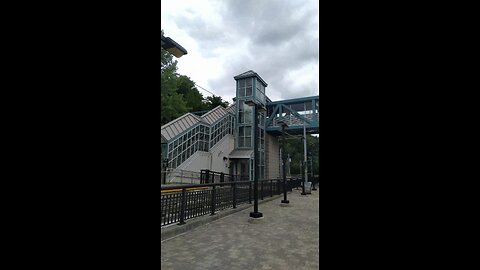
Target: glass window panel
<point x="248" y="142"/>
<point x="241" y="92"/>
<point x="248" y="131"/>
<point x="241" y="83"/>
<point x="248" y="82"/>
<point x="248" y="91"/>
<point x="248" y="114"/>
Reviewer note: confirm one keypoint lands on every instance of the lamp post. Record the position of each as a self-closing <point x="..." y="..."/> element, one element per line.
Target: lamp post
<point x="165" y="166"/>
<point x="284" y="125"/>
<point x="256" y="109"/>
<point x="312" y="176"/>
<point x="173" y="47"/>
<point x="304" y="168"/>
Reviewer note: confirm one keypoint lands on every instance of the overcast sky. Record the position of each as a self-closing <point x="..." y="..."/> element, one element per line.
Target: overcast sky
<point x="277" y="39"/>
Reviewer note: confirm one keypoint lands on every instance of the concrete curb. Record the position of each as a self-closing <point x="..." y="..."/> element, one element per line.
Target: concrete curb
<point x="175" y="229"/>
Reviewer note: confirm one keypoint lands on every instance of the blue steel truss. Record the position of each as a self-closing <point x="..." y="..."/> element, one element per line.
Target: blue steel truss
<point x="296" y="113"/>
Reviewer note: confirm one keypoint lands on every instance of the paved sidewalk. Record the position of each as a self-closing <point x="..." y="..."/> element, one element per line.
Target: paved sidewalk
<point x="287" y="238"/>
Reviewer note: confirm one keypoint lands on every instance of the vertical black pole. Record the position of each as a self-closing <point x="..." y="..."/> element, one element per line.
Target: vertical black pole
<point x="255" y="213"/>
<point x="234" y="195"/>
<point x="271" y="188"/>
<point x="261" y="190"/>
<point x="313" y="178"/>
<point x="250" y="192"/>
<point x="284" y="160"/>
<point x="165" y="166"/>
<point x="213" y="201"/>
<point x="182" y="207"/>
<point x="303" y="179"/>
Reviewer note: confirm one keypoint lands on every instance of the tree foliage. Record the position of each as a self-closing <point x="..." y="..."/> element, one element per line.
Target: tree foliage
<point x="172" y="103"/>
<point x="179" y="94"/>
<point x="194" y="99"/>
<point x="213" y="101"/>
<point x="296" y="151"/>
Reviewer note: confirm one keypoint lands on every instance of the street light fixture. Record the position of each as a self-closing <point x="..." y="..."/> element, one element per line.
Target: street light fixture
<point x="256" y="109"/>
<point x="284" y="125"/>
<point x="173" y="47"/>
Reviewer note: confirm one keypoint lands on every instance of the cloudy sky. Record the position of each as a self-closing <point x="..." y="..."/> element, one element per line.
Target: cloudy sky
<point x="277" y="39"/>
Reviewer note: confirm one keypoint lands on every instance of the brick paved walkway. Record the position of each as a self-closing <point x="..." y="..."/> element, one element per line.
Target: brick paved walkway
<point x="287" y="238"/>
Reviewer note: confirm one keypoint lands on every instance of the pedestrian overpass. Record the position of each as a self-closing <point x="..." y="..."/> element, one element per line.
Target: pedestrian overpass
<point x="296" y="113"/>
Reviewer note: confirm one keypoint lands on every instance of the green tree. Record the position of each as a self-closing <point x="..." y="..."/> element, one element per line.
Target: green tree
<point x="213" y="101"/>
<point x="172" y="103"/>
<point x="294" y="147"/>
<point x="193" y="98"/>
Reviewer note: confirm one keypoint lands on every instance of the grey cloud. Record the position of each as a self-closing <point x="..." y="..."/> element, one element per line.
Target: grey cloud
<point x="282" y="37"/>
<point x="209" y="36"/>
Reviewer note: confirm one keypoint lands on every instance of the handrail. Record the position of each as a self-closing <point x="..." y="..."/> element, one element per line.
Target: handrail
<point x="201" y="185"/>
<point x="208" y="198"/>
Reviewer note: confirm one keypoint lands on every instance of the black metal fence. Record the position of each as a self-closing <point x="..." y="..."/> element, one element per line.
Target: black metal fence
<point x="297" y="181"/>
<point x="207" y="177"/>
<point x="182" y="202"/>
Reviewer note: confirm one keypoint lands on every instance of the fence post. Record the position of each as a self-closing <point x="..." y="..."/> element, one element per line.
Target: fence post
<point x="222" y="178"/>
<point x="249" y="192"/>
<point x="234" y="188"/>
<point x="271" y="188"/>
<point x="261" y="190"/>
<point x="213" y="201"/>
<point x="183" y="206"/>
<point x="207" y="176"/>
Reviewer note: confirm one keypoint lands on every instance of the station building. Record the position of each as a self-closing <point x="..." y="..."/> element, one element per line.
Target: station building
<point x="223" y="140"/>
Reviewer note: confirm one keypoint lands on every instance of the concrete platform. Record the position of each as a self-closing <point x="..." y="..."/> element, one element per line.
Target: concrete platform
<point x="173" y="230"/>
<point x="287" y="238"/>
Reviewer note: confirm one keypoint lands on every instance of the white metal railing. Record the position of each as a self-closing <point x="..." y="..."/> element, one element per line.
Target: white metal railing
<point x="174" y="176"/>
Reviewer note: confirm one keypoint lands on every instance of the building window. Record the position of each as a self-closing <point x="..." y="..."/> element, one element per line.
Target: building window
<point x="245" y="87"/>
<point x="245" y="136"/>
